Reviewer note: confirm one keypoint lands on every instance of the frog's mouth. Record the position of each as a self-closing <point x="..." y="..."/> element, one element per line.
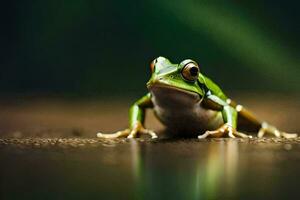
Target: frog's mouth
<point x="169" y="91"/>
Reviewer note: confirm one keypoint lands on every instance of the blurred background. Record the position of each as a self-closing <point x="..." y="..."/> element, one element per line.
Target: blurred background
<point x="71" y="68"/>
<point x="88" y="49"/>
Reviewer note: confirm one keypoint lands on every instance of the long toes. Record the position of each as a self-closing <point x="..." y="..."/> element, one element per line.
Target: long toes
<point x="108" y="136"/>
<point x="277" y="133"/>
<point x="205" y="135"/>
<point x="113" y="135"/>
<point x="242" y="135"/>
<point x="132" y="134"/>
<point x="149" y="132"/>
<point x="152" y="134"/>
<point x="202" y="136"/>
<point x="154" y="137"/>
<point x="230" y="134"/>
<point x="260" y="133"/>
<point x="100" y="135"/>
<point x="289" y="135"/>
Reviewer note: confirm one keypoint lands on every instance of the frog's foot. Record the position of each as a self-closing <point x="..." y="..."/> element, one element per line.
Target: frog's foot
<point x="129" y="133"/>
<point x="266" y="128"/>
<point x="223" y="130"/>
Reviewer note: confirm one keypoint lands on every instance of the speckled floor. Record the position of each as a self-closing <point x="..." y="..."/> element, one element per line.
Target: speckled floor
<point x="76" y="168"/>
<point x="48" y="150"/>
<point x="88" y="142"/>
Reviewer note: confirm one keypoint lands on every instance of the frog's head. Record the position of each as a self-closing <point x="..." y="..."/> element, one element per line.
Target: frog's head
<point x="183" y="76"/>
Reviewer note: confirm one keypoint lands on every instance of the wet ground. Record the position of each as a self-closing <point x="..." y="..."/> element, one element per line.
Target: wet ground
<point x="144" y="169"/>
<point x="48" y="151"/>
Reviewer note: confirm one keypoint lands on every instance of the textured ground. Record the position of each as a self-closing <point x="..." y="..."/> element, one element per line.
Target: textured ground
<point x="90" y="143"/>
<point x="48" y="150"/>
<point x="77" y="168"/>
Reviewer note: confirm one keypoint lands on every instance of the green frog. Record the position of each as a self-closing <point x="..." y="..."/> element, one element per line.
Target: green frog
<point x="188" y="102"/>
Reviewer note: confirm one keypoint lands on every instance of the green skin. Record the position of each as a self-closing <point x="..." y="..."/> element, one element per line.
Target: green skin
<point x="187" y="101"/>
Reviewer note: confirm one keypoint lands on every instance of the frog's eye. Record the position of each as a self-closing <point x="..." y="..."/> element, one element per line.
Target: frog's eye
<point x="190" y="71"/>
<point x="152" y="65"/>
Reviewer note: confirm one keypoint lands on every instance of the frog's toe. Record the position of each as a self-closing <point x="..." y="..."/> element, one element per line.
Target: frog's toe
<point x="266" y="128"/>
<point x="242" y="135"/>
<point x="203" y="136"/>
<point x="118" y="134"/>
<point x="139" y="129"/>
<point x="150" y="132"/>
<point x="234" y="134"/>
<point x="133" y="134"/>
<point x="289" y="135"/>
<point x="215" y="133"/>
<point x="130" y="136"/>
<point x="231" y="134"/>
<point x="225" y="129"/>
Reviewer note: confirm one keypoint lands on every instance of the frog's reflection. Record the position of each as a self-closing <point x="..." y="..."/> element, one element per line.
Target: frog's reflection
<point x="180" y="172"/>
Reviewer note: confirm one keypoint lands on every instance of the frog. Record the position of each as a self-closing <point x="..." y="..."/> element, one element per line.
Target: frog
<point x="186" y="101"/>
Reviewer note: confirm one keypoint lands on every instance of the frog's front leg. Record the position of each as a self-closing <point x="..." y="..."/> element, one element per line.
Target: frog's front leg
<point x="229" y="117"/>
<point x="136" y="120"/>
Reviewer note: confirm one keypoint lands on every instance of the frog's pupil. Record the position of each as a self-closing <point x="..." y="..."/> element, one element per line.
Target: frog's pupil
<point x="194" y="71"/>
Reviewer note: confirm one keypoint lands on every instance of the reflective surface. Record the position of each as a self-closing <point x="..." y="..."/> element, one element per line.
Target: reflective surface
<point x="143" y="169"/>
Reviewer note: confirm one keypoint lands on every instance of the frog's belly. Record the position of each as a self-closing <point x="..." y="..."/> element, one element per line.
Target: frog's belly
<point x="191" y="120"/>
<point x="182" y="111"/>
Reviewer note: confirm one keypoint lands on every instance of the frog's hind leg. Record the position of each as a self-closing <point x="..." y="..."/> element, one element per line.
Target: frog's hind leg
<point x="269" y="129"/>
<point x="247" y="121"/>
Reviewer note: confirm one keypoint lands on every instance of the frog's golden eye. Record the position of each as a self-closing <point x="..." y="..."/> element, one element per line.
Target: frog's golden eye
<point x="152" y="65"/>
<point x="190" y="71"/>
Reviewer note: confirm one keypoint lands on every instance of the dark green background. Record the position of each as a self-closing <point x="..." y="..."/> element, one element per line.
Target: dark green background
<point x="103" y="48"/>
